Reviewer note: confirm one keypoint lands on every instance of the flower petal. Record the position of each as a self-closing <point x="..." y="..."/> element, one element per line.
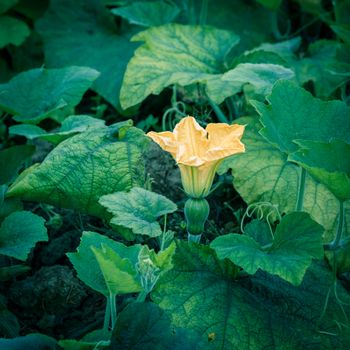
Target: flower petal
<point x="192" y="138"/>
<point x="224" y="140"/>
<point x="166" y="140"/>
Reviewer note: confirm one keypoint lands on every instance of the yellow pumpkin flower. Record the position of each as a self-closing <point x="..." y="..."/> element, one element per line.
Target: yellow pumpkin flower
<point x="199" y="152"/>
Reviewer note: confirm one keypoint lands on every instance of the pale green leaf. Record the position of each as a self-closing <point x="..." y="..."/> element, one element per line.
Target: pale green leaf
<point x="87" y="264"/>
<point x="29" y="131"/>
<point x="85" y="167"/>
<point x="54" y="89"/>
<point x="174" y="54"/>
<point x="147" y="14"/>
<point x="161" y="261"/>
<point x="93" y="41"/>
<point x="119" y="273"/>
<point x="249" y="313"/>
<point x="138" y="210"/>
<point x="261" y="76"/>
<point x="285" y="49"/>
<point x="19" y="232"/>
<point x="12" y="31"/>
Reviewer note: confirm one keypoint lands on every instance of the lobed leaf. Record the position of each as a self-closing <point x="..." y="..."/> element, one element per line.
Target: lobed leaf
<point x="174" y="54"/>
<point x="329" y="163"/>
<point x="93" y="41"/>
<point x="19" y="232"/>
<point x="12" y="31"/>
<point x="72" y="125"/>
<point x="293" y="113"/>
<point x="138" y="210"/>
<point x="297" y="240"/>
<point x="54" y="89"/>
<point x="264" y="174"/>
<point x="148" y="14"/>
<point x="260" y="312"/>
<point x="85" y="167"/>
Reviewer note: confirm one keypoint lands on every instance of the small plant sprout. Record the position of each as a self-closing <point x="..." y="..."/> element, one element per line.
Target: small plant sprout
<point x="148" y="271"/>
<point x="198" y="153"/>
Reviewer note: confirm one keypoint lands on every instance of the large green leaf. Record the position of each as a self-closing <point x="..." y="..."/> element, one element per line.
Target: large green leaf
<point x="259" y="231"/>
<point x="12" y="31"/>
<point x="72" y="125"/>
<point x="179" y="54"/>
<point x="174" y="54"/>
<point x="54" y="89"/>
<point x="261" y="76"/>
<point x="93" y="41"/>
<point x="285" y="49"/>
<point x="147" y="14"/>
<point x="264" y="174"/>
<point x="293" y="113"/>
<point x="85" y="167"/>
<point x="11" y="160"/>
<point x="260" y="312"/>
<point x="19" y="232"/>
<point x="143" y="326"/>
<point x="96" y="270"/>
<point x="297" y="240"/>
<point x="138" y="210"/>
<point x="329" y="163"/>
<point x="323" y="65"/>
<point x="248" y="19"/>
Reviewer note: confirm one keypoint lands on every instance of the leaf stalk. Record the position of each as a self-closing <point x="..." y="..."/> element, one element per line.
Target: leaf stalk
<point x="301" y="190"/>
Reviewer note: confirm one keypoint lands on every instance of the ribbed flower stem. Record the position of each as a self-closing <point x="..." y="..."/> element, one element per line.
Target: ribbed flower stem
<point x="335" y="244"/>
